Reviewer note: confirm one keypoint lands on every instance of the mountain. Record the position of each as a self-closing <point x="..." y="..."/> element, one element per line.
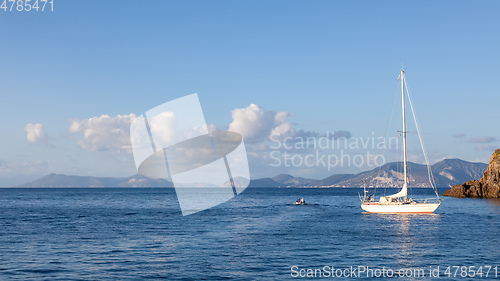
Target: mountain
<point x="289" y="180"/>
<point x="457" y="171"/>
<point x="447" y="173"/>
<point x="332" y="180"/>
<point x="388" y="175"/>
<point x="487" y="187"/>
<point x="265" y="182"/>
<point x="59" y="180"/>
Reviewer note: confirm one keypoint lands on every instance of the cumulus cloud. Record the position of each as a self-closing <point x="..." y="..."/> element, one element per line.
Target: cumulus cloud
<point x="483" y="140"/>
<point x="103" y="132"/>
<point x="256" y="124"/>
<point x="459" y="135"/>
<point x="163" y="128"/>
<point x="36" y="133"/>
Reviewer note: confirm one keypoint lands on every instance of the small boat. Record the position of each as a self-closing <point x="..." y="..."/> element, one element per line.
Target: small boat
<point x="399" y="202"/>
<point x="300" y="201"/>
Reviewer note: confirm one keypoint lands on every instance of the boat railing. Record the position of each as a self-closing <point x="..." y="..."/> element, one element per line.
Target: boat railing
<point x="428" y="200"/>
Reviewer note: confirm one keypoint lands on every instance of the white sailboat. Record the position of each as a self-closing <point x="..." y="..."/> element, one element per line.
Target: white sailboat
<point x="399" y="202"/>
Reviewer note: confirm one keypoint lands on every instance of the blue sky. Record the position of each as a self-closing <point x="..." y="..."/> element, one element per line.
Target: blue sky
<point x="332" y="64"/>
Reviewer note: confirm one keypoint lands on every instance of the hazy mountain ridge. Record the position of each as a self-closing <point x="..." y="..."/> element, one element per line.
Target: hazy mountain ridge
<point x="290" y="180"/>
<point x="447" y="172"/>
<point x="60" y="180"/>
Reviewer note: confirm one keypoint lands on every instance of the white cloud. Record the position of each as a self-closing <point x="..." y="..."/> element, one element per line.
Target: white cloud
<point x="163" y="128"/>
<point x="103" y="132"/>
<point x="165" y="131"/>
<point x="36" y="133"/>
<point x="256" y="124"/>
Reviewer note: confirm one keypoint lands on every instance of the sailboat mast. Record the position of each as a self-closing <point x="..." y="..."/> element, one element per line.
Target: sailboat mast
<point x="404" y="133"/>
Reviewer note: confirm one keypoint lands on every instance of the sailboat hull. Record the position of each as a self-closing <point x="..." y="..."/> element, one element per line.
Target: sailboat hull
<point x="416" y="208"/>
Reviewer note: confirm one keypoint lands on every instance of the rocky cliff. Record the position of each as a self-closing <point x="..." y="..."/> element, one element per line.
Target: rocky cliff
<point x="487" y="187"/>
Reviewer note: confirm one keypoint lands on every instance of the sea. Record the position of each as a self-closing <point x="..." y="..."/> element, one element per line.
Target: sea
<point x="140" y="234"/>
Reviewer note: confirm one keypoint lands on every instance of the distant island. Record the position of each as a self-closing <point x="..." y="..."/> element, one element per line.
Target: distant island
<point x="487" y="187"/>
<point x="447" y="173"/>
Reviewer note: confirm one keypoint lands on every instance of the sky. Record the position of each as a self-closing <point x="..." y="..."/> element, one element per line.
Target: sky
<point x="73" y="79"/>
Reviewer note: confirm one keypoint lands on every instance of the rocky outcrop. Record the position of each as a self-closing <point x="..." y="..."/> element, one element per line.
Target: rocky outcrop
<point x="487" y="187"/>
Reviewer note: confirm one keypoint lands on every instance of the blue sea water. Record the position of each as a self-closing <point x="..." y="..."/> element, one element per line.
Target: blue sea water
<point x="135" y="234"/>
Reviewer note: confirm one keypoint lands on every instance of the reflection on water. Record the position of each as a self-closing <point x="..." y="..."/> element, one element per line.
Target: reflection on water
<point x="404" y="242"/>
<point x="494" y="202"/>
<point x="399" y="241"/>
